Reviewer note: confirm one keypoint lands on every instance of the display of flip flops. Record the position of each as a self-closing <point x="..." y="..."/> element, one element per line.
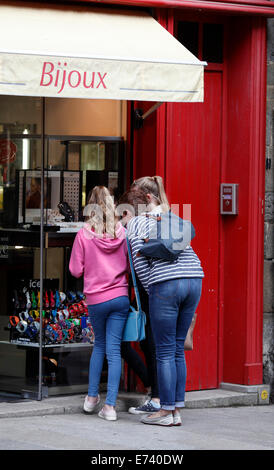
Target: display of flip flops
<point x="64" y="317"/>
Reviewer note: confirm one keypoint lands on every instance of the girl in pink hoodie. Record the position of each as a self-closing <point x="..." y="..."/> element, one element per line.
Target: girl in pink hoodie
<point x="99" y="253"/>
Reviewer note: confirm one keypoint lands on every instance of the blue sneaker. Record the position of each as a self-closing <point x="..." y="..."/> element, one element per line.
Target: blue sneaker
<point x="147" y="407"/>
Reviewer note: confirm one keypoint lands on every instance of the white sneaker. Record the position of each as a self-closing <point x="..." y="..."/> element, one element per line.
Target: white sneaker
<point x="109" y="415"/>
<point x="177" y="421"/>
<point x="90" y="407"/>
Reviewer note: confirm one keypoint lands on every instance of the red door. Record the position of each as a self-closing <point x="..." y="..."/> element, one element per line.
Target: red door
<point x="192" y="177"/>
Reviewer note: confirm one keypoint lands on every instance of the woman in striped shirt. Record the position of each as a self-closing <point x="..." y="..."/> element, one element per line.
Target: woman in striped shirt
<point x="174" y="290"/>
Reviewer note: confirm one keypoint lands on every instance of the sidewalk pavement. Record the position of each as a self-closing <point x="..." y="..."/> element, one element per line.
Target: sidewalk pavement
<point x="228" y="395"/>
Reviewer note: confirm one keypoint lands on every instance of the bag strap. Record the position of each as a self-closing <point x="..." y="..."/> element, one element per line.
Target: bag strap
<point x="139" y="308"/>
<point x="158" y="218"/>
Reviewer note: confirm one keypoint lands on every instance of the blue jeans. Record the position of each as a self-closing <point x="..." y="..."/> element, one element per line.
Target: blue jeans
<point x="172" y="305"/>
<point x="108" y="321"/>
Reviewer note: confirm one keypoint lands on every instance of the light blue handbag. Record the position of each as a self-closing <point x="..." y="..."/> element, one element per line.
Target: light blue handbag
<point x="135" y="325"/>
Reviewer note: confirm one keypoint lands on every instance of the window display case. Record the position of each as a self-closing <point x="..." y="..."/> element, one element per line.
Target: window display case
<point x="66" y="334"/>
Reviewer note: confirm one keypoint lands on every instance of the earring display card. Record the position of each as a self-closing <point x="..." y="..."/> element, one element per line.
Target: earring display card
<point x="29" y="193"/>
<point x="72" y="190"/>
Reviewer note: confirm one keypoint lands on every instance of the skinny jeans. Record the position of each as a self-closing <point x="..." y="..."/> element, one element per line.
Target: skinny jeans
<point x="172" y="305"/>
<point x="108" y="320"/>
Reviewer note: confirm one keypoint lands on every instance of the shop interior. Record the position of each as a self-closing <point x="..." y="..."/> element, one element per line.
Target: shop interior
<point x="75" y="144"/>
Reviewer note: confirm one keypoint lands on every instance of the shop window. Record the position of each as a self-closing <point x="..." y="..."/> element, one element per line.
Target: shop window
<point x="20" y="151"/>
<point x="71" y="163"/>
<point x="213" y="42"/>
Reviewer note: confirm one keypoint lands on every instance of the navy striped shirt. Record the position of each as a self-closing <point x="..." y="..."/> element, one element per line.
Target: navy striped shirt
<point x="151" y="270"/>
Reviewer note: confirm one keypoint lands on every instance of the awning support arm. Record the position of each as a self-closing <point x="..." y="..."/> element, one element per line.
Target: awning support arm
<point x="139" y="117"/>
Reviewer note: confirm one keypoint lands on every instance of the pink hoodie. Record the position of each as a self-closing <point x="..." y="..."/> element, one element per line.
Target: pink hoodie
<point x="104" y="263"/>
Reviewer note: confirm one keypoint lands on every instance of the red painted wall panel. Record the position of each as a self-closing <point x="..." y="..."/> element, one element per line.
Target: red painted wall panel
<point x="236" y="227"/>
<point x="243" y="233"/>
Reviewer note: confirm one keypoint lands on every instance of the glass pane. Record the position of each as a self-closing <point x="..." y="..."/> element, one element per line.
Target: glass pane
<point x="188" y="35"/>
<point x="93" y="156"/>
<point x="68" y="335"/>
<point x="213" y="42"/>
<point x="83" y="117"/>
<point x="20" y="113"/>
<point x="20" y="154"/>
<point x="56" y="155"/>
<point x="113" y="156"/>
<point x="19" y="323"/>
<point x="71" y="169"/>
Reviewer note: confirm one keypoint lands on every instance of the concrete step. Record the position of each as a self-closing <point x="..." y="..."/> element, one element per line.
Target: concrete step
<point x="226" y="395"/>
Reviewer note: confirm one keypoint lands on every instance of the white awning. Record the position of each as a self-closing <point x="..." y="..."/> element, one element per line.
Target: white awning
<point x="94" y="53"/>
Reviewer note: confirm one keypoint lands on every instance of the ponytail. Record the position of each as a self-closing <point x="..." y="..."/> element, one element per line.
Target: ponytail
<point x="100" y="212"/>
<point x="154" y="185"/>
<point x="161" y="193"/>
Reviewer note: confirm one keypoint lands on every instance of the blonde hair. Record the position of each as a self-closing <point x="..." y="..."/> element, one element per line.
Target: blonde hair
<point x="154" y="185"/>
<point x="101" y="211"/>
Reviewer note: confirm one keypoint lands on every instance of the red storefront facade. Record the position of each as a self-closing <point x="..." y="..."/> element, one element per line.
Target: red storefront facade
<point x="196" y="147"/>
